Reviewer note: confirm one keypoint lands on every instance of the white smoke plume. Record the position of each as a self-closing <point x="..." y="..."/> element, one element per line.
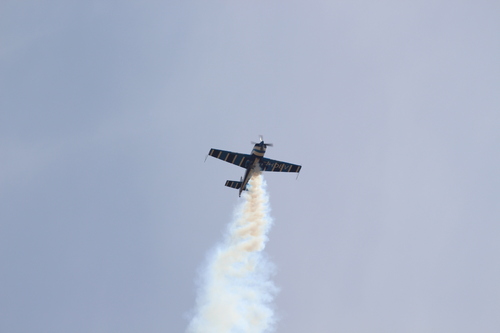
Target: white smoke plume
<point x="236" y="292"/>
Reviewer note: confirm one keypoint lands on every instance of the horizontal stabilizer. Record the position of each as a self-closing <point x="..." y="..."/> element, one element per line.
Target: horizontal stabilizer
<point x="234" y="184"/>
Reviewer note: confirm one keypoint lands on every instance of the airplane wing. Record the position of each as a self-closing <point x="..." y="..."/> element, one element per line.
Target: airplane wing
<point x="267" y="164"/>
<point x="242" y="160"/>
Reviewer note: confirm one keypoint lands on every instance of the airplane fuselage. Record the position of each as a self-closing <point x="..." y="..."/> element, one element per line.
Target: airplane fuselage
<point x="258" y="152"/>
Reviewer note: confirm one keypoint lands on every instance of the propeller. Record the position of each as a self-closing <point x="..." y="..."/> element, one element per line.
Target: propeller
<point x="262" y="142"/>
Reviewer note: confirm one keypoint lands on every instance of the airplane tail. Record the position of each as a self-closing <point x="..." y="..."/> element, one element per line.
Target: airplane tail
<point x="235" y="184"/>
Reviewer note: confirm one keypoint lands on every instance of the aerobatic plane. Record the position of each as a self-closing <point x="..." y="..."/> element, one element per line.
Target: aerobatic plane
<point x="250" y="161"/>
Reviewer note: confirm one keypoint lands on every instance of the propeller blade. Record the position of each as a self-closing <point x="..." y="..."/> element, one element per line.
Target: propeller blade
<point x="262" y="141"/>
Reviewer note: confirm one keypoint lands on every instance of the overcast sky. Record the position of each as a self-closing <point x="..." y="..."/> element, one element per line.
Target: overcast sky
<point x="108" y="109"/>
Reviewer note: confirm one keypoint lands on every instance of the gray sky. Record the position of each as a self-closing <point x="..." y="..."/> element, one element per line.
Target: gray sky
<point x="108" y="109"/>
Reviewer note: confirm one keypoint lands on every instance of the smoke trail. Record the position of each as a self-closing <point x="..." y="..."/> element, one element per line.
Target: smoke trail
<point x="236" y="291"/>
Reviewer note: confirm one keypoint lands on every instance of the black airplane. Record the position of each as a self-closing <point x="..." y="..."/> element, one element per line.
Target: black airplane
<point x="250" y="161"/>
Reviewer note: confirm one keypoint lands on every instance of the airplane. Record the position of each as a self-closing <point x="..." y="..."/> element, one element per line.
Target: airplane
<point x="249" y="161"/>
